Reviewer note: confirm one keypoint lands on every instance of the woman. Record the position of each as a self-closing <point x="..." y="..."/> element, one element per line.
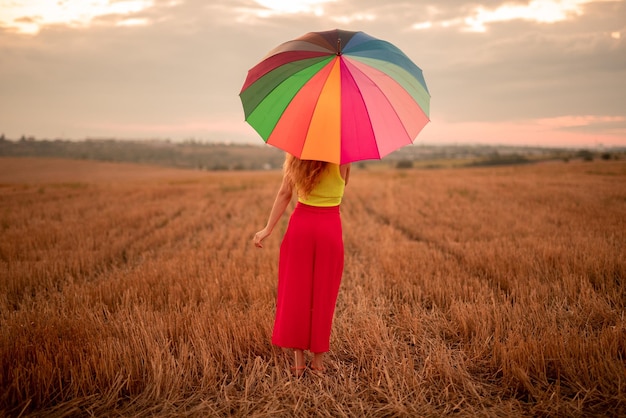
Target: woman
<point x="311" y="258"/>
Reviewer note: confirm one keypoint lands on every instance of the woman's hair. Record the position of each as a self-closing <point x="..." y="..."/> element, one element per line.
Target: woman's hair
<point x="303" y="174"/>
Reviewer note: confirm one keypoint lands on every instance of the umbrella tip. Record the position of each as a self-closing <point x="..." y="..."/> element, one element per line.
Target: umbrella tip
<point x="338" y="46"/>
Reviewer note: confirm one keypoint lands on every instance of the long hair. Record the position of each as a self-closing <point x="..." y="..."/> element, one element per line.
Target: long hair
<point x="303" y="174"/>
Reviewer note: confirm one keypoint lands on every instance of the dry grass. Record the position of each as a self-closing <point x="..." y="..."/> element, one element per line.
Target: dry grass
<point x="482" y="292"/>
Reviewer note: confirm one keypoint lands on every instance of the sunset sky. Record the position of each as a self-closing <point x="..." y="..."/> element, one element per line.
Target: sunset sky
<point x="539" y="72"/>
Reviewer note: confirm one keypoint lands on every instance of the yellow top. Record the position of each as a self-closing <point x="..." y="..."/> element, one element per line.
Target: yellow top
<point x="329" y="190"/>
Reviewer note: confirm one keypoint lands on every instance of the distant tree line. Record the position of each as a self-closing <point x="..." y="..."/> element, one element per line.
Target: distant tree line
<point x="213" y="156"/>
<point x="189" y="154"/>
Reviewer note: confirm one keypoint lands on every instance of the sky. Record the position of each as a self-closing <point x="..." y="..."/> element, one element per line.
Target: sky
<point x="520" y="72"/>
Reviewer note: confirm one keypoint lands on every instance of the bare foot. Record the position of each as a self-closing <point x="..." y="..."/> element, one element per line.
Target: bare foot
<point x="317" y="364"/>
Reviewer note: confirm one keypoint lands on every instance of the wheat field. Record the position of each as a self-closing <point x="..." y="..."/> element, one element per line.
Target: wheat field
<point x="136" y="291"/>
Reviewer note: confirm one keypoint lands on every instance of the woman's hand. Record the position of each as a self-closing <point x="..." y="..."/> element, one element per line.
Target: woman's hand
<point x="283" y="197"/>
<point x="260" y="236"/>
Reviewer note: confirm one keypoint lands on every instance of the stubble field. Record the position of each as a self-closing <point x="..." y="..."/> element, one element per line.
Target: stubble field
<point x="136" y="291"/>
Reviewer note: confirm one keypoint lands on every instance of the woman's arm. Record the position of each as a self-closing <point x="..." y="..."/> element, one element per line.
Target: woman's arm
<point x="280" y="204"/>
<point x="344" y="169"/>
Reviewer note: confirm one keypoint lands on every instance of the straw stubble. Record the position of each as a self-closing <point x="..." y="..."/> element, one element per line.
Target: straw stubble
<point x="480" y="292"/>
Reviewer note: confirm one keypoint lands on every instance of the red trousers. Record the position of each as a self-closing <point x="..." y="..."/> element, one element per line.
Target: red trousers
<point x="309" y="276"/>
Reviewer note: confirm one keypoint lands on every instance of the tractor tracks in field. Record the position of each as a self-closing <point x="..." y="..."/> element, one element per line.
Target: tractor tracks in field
<point x="139" y="244"/>
<point x="499" y="284"/>
<point x="412" y="235"/>
<point x="480" y="272"/>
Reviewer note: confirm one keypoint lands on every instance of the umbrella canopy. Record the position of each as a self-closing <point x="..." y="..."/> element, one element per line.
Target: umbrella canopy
<point x="336" y="96"/>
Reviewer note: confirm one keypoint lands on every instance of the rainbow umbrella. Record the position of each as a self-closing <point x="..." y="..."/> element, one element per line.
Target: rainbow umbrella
<point x="336" y="96"/>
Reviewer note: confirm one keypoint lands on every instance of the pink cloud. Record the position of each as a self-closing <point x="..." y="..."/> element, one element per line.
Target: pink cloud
<point x="223" y="125"/>
<point x="558" y="131"/>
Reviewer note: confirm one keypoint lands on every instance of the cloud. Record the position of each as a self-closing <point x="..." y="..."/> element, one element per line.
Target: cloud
<point x="604" y="125"/>
<point x="31" y="16"/>
<point x="271" y="8"/>
<point x="541" y="11"/>
<point x="566" y="131"/>
<point x="221" y="126"/>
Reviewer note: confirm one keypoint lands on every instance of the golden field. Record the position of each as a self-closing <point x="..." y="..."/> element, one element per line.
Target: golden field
<point x="136" y="291"/>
